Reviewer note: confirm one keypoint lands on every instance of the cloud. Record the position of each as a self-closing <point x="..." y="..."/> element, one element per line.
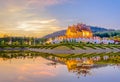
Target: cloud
<point x="31" y="3"/>
<point x="44" y="73"/>
<point x="34" y="25"/>
<point x="41" y="21"/>
<point x="28" y="17"/>
<point x="39" y="71"/>
<point x="47" y="21"/>
<point x="37" y="28"/>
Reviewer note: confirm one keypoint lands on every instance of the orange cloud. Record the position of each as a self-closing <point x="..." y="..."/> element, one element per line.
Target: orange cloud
<point x="17" y="17"/>
<point x="36" y="70"/>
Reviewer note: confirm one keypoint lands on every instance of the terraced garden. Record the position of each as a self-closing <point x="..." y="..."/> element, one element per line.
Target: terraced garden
<point x="114" y="57"/>
<point x="78" y="45"/>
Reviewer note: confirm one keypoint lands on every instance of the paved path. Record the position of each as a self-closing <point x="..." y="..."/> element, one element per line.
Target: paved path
<point x="78" y="51"/>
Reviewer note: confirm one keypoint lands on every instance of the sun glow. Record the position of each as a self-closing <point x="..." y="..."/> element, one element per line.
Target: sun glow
<point x="23" y="26"/>
<point x="26" y="27"/>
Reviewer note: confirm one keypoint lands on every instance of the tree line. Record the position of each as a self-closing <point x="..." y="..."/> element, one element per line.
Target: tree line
<point x="108" y="34"/>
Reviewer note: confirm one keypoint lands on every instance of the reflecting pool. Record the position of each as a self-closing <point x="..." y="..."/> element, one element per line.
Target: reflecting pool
<point x="43" y="67"/>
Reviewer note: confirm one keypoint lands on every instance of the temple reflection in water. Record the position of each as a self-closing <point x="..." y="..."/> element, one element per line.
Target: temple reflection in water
<point x="79" y="66"/>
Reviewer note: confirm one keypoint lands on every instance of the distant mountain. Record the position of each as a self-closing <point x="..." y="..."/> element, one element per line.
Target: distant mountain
<point x="55" y="34"/>
<point x="62" y="32"/>
<point x="99" y="29"/>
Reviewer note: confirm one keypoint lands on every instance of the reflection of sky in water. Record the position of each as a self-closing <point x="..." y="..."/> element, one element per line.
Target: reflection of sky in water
<point x="38" y="70"/>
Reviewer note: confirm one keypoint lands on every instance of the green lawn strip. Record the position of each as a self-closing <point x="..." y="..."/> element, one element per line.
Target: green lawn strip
<point x="80" y="46"/>
<point x="69" y="56"/>
<point x="99" y="46"/>
<point x="108" y="46"/>
<point x="90" y="46"/>
<point x="116" y="46"/>
<point x="62" y="55"/>
<point x="102" y="62"/>
<point x="54" y="46"/>
<point x="48" y="46"/>
<point x="78" y="55"/>
<point x="113" y="54"/>
<point x="70" y="46"/>
<point x="90" y="55"/>
<point x="117" y="59"/>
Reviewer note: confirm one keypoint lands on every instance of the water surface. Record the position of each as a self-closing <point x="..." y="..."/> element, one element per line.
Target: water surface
<point x="28" y="67"/>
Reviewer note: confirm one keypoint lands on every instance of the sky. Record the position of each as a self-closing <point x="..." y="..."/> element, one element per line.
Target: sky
<point x="37" y="18"/>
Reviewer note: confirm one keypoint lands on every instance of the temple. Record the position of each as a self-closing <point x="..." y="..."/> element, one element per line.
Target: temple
<point x="79" y="31"/>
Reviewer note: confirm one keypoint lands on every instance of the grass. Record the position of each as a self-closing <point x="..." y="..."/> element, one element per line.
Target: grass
<point x="69" y="45"/>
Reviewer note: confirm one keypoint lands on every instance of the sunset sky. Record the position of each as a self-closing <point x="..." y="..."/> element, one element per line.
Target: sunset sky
<point x="41" y="17"/>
